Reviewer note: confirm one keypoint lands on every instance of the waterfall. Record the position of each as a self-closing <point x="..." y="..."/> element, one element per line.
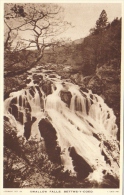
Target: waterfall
<point x="85" y="126"/>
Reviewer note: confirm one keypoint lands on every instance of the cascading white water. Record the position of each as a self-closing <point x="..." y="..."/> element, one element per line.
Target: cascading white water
<point x="76" y="116"/>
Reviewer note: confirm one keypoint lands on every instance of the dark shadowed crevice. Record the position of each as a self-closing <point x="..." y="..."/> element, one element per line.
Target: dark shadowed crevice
<point x="48" y="132"/>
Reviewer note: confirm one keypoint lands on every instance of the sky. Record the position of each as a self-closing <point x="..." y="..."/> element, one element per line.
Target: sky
<point x="83" y="16"/>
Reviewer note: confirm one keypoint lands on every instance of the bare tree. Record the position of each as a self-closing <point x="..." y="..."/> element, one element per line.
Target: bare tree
<point x="32" y="27"/>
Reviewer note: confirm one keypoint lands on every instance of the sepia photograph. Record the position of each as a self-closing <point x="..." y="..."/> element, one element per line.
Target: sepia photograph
<point x="62" y="95"/>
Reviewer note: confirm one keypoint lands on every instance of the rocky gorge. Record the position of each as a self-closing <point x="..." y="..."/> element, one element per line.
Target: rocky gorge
<point x="44" y="112"/>
<point x="62" y="99"/>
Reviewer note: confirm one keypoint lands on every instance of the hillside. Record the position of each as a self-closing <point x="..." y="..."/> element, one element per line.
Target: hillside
<point x="93" y="63"/>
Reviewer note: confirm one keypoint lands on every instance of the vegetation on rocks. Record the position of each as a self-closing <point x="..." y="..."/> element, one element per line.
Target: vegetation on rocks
<point x="27" y="165"/>
<point x="95" y="64"/>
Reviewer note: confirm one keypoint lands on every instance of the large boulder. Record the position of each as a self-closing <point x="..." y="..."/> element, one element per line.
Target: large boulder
<point x="28" y="80"/>
<point x="37" y="78"/>
<point x="66" y="97"/>
<point x="27" y="127"/>
<point x="48" y="132"/>
<point x="14" y="101"/>
<point x="46" y="86"/>
<point x="80" y="165"/>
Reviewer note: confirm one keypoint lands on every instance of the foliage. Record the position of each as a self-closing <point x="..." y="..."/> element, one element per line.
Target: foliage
<point x="98" y="58"/>
<point x="42" y="22"/>
<point x="95" y="50"/>
<point x="101" y="23"/>
<point x="23" y="160"/>
<point x="101" y="48"/>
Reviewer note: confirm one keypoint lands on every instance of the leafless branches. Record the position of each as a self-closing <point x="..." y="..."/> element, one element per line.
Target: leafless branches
<point x="33" y="26"/>
<point x="43" y="20"/>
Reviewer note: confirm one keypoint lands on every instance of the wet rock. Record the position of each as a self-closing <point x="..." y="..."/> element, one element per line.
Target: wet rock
<point x="37" y="78"/>
<point x="110" y="151"/>
<point x="20" y="100"/>
<point x="54" y="87"/>
<point x="87" y="106"/>
<point x="27" y="127"/>
<point x="27" y="105"/>
<point x="49" y="134"/>
<point x="42" y="103"/>
<point x="38" y="89"/>
<point x="28" y="115"/>
<point x="52" y="76"/>
<point x="14" y="100"/>
<point x="29" y="73"/>
<point x="22" y="86"/>
<point x="10" y="110"/>
<point x="20" y="117"/>
<point x="6" y="118"/>
<point x="40" y="96"/>
<point x="36" y="81"/>
<point x="84" y="89"/>
<point x="111" y="181"/>
<point x="28" y="80"/>
<point x="14" y="111"/>
<point x="46" y="86"/>
<point x="96" y="136"/>
<point x="91" y="99"/>
<point x="32" y="91"/>
<point x="40" y="68"/>
<point x="66" y="97"/>
<point x="24" y="100"/>
<point x="80" y="165"/>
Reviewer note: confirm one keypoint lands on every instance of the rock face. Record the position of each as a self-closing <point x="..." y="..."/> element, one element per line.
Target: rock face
<point x="106" y="83"/>
<point x="80" y="165"/>
<point x="32" y="91"/>
<point x="49" y="134"/>
<point x="46" y="86"/>
<point x="66" y="141"/>
<point x="27" y="127"/>
<point x="28" y="80"/>
<point x="20" y="116"/>
<point x="18" y="159"/>
<point x="14" y="111"/>
<point x="37" y="78"/>
<point x="66" y="97"/>
<point x="40" y="96"/>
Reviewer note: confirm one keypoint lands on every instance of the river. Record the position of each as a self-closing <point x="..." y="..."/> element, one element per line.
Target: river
<point x="83" y="125"/>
